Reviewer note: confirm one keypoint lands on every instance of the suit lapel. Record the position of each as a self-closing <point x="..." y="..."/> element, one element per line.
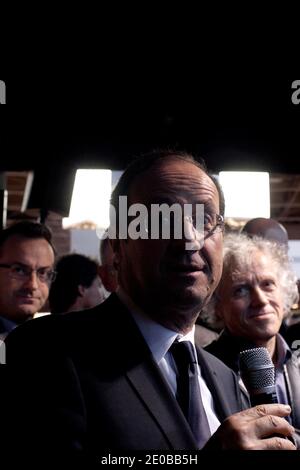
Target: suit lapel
<point x="135" y="361"/>
<point x="213" y="381"/>
<point x="153" y="390"/>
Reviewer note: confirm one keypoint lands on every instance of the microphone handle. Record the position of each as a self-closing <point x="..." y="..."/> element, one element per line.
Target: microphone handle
<point x="263" y="398"/>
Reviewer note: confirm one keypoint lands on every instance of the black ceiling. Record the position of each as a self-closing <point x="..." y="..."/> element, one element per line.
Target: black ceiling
<point x="54" y="126"/>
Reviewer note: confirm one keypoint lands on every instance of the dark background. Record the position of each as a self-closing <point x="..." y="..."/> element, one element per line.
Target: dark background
<point x="55" y="124"/>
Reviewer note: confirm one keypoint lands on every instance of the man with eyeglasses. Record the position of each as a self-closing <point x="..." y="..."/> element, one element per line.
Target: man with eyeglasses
<point x="26" y="272"/>
<point x="126" y="375"/>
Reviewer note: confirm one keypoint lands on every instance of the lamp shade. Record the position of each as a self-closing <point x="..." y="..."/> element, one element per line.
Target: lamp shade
<point x="247" y="194"/>
<point x="90" y="199"/>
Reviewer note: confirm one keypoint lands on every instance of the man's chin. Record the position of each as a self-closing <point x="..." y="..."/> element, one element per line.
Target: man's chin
<point x="186" y="300"/>
<point x="24" y="314"/>
<point x="190" y="294"/>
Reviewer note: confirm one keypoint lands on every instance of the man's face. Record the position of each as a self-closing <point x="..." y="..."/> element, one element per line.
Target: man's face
<point x="93" y="295"/>
<point x="251" y="301"/>
<point x="162" y="277"/>
<point x="21" y="299"/>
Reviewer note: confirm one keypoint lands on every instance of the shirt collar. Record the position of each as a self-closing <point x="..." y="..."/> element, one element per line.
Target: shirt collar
<point x="283" y="352"/>
<point x="158" y="338"/>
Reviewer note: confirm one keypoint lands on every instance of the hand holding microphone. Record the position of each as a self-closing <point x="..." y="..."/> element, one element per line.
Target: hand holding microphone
<point x="258" y="374"/>
<point x="262" y="427"/>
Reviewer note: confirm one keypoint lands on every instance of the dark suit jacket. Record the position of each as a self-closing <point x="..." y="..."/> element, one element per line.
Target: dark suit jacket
<point x="89" y="384"/>
<point x="6" y="326"/>
<point x="292" y="336"/>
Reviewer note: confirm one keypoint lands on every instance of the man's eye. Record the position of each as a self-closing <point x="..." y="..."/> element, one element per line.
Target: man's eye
<point x="42" y="272"/>
<point x="268" y="284"/>
<point x="207" y="220"/>
<point x="19" y="270"/>
<point x="241" y="291"/>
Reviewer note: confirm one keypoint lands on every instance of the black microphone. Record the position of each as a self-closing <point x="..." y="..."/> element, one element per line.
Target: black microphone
<point x="258" y="374"/>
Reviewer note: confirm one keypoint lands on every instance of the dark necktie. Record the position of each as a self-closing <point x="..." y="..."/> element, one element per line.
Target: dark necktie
<point x="188" y="390"/>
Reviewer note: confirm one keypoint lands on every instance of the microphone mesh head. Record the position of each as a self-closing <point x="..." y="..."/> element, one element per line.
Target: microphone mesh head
<point x="256" y="357"/>
<point x="257" y="369"/>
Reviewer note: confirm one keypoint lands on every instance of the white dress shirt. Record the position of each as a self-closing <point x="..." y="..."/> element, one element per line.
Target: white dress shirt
<point x="159" y="339"/>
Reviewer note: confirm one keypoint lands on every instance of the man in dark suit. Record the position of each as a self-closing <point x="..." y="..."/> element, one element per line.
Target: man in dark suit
<point x="106" y="379"/>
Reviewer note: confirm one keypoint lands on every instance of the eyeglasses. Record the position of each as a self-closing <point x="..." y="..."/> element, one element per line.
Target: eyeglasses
<point x="212" y="223"/>
<point x="22" y="272"/>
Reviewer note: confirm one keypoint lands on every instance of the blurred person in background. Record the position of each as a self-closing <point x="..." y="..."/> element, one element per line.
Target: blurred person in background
<point x="267" y="228"/>
<point x="77" y="285"/>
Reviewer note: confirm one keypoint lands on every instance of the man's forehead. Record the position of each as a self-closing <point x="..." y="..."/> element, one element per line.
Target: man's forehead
<point x="259" y="261"/>
<point x="173" y="164"/>
<point x="17" y="239"/>
<point x="170" y="176"/>
<point x="19" y="244"/>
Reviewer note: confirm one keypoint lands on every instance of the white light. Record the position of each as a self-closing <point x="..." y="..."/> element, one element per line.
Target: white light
<point x="90" y="199"/>
<point x="247" y="194"/>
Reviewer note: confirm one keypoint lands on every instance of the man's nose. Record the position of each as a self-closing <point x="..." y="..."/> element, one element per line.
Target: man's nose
<point x="32" y="280"/>
<point x="258" y="297"/>
<point x="190" y="239"/>
<point x="193" y="239"/>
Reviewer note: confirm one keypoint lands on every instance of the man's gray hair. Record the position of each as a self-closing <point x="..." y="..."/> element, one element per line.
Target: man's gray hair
<point x="237" y="251"/>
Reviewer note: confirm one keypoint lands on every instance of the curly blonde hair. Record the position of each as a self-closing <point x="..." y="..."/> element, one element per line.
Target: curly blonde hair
<point x="237" y="251"/>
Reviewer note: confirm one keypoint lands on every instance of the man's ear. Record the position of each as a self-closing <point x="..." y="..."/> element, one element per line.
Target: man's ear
<point x="116" y="247"/>
<point x="81" y="290"/>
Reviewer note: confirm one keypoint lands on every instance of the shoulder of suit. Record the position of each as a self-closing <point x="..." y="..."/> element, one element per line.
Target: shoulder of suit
<point x="51" y="331"/>
<point x="214" y="362"/>
<point x="72" y="331"/>
<point x="218" y="346"/>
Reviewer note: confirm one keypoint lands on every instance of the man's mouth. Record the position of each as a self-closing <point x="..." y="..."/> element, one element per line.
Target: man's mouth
<point x="260" y="314"/>
<point x="26" y="297"/>
<point x="184" y="270"/>
<point x="187" y="268"/>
